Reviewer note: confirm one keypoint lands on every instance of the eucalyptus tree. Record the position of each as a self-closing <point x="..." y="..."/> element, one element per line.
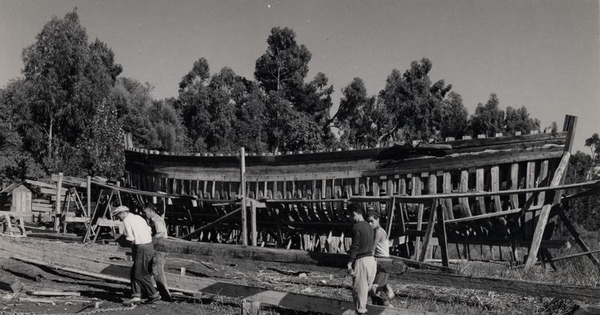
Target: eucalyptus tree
<point x="69" y="81"/>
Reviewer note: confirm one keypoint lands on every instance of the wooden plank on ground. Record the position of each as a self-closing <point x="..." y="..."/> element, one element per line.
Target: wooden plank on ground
<point x="519" y="287"/>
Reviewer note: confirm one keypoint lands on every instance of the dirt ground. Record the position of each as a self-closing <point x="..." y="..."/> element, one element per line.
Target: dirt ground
<point x="310" y="280"/>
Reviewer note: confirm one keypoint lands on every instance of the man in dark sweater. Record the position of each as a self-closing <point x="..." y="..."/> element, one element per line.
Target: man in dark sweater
<point x="361" y="265"/>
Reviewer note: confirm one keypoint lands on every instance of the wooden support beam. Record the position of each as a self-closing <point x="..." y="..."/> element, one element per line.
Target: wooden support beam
<point x="58" y="210"/>
<point x="588" y="253"/>
<point x="243" y="201"/>
<point x="518" y="287"/>
<point x="577" y="237"/>
<point x="545" y="213"/>
<point x="442" y="237"/>
<point x="428" y="232"/>
<point x="493" y="215"/>
<point x="215" y="222"/>
<point x="214" y="251"/>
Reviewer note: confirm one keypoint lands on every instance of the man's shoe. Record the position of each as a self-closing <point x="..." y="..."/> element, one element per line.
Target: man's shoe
<point x="373" y="290"/>
<point x="152" y="299"/>
<point x="133" y="301"/>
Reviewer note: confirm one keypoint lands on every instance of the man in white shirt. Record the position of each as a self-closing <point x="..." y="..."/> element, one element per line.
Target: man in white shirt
<point x="139" y="234"/>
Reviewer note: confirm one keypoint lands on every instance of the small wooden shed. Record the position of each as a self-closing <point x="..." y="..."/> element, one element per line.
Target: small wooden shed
<point x="21" y="200"/>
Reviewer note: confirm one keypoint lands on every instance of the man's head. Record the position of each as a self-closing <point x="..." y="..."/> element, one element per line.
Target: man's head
<point x="150" y="210"/>
<point x="356" y="211"/>
<point x="121" y="212"/>
<point x="373" y="218"/>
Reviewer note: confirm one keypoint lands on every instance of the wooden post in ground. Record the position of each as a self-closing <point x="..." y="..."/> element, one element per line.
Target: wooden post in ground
<point x="250" y="307"/>
<point x="58" y="200"/>
<point x="428" y="231"/>
<point x="442" y="237"/>
<point x="243" y="201"/>
<point x="253" y="231"/>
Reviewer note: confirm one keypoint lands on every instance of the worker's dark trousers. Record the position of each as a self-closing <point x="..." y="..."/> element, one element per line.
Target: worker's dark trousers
<point x="141" y="279"/>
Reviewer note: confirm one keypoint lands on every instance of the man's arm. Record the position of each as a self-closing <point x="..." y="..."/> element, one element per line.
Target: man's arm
<point x="128" y="229"/>
<point x="161" y="228"/>
<point x="354" y="247"/>
<point x="378" y="238"/>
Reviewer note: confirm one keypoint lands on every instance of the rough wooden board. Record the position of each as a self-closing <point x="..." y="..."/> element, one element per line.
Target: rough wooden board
<point x="266" y="254"/>
<point x="525" y="288"/>
<point x="9" y="282"/>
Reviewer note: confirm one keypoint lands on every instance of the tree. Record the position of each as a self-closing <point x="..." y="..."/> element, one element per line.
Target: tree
<point x="284" y="65"/>
<point x="314" y="99"/>
<point x="288" y="129"/>
<point x="132" y="100"/>
<point x="594" y="143"/>
<point x="488" y="119"/>
<point x="520" y="120"/>
<point x="192" y="103"/>
<point x="583" y="211"/>
<point x="359" y="118"/>
<point x="67" y="79"/>
<point x="250" y="127"/>
<point x="413" y="103"/>
<point x="454" y="117"/>
<point x="16" y="163"/>
<point x="102" y="147"/>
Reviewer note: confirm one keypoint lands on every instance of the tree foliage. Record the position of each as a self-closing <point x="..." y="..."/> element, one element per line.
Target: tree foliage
<point x="413" y="103"/>
<point x="284" y="65"/>
<point x="359" y="118"/>
<point x="520" y="120"/>
<point x="65" y="80"/>
<point x="488" y="119"/>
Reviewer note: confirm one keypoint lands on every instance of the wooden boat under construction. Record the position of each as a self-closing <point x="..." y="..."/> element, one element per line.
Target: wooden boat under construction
<point x="484" y="191"/>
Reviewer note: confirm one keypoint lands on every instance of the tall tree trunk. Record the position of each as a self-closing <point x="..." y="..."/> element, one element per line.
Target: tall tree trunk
<point x="50" y="137"/>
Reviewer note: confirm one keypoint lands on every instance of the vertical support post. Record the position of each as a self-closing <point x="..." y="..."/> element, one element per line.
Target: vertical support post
<point x="253" y="223"/>
<point x="390" y="219"/>
<point x="569" y="126"/>
<point x="442" y="237"/>
<point x="428" y="231"/>
<point x="243" y="201"/>
<point x="89" y="196"/>
<point x="58" y="200"/>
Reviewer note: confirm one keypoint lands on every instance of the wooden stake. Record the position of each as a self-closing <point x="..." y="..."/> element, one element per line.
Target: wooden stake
<point x="243" y="186"/>
<point x="250" y="307"/>
<point x="58" y="199"/>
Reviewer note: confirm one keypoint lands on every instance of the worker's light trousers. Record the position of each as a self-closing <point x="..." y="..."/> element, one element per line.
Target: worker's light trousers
<point x="365" y="269"/>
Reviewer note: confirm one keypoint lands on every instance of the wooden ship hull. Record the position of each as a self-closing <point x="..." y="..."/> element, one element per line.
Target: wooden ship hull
<point x="299" y="200"/>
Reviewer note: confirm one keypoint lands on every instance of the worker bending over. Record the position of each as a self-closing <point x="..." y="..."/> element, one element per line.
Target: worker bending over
<point x="139" y="234"/>
<point x="159" y="230"/>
